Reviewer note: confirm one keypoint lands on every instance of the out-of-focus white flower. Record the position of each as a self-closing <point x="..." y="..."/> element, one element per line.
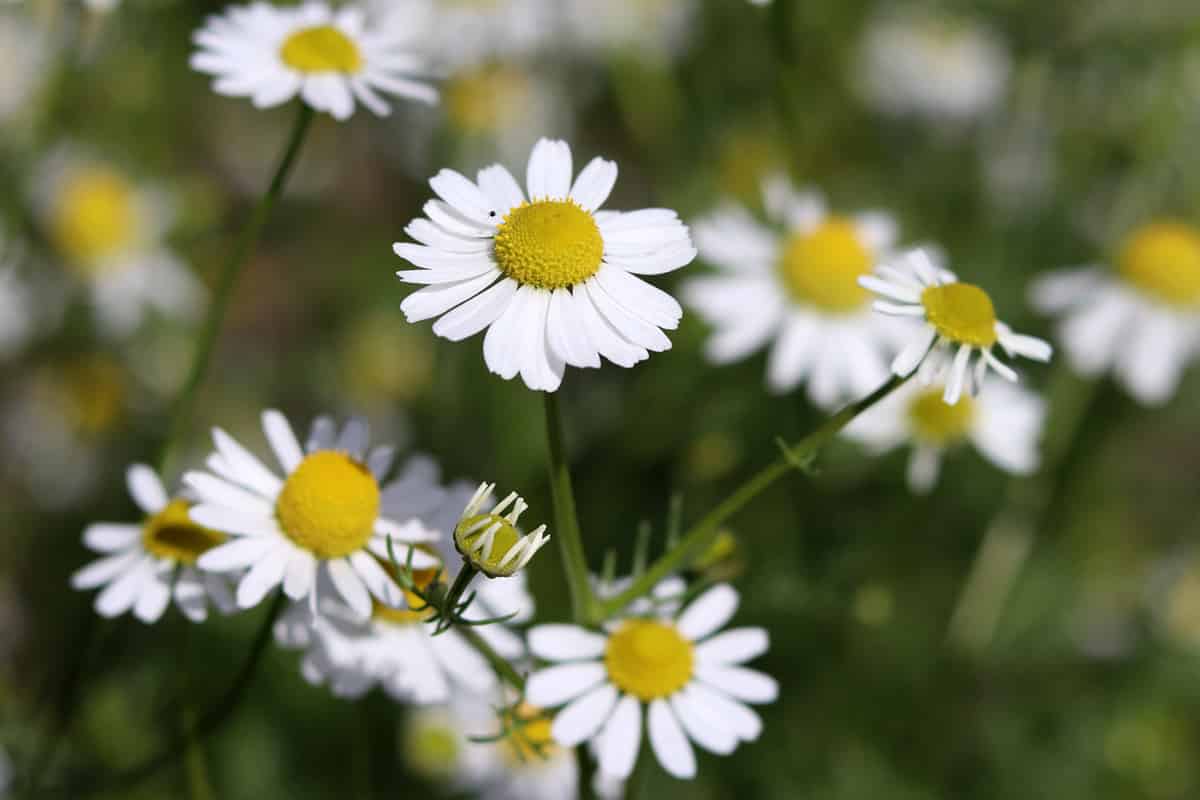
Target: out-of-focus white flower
<point x="111" y="233"/>
<point x="101" y="6"/>
<point x="1004" y="423"/>
<point x="553" y="279"/>
<point x="938" y="68"/>
<point x="799" y="291"/>
<point x="24" y="52"/>
<point x="956" y="318"/>
<point x="330" y="58"/>
<point x="462" y="34"/>
<point x="1140" y="320"/>
<point x="650" y="29"/>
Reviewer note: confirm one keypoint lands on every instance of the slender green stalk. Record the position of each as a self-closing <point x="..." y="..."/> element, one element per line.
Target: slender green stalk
<point x="506" y="671"/>
<point x="466" y="574"/>
<point x="800" y="456"/>
<point x="195" y="763"/>
<point x="566" y="521"/>
<point x="223" y="293"/>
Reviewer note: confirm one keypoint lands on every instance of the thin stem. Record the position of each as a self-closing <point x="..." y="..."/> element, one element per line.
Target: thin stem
<point x="566" y="521"/>
<point x="466" y="574"/>
<point x="242" y="251"/>
<point x="506" y="671"/>
<point x="800" y="456"/>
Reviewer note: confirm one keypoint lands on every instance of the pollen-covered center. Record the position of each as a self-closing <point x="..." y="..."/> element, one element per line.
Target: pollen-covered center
<point x="321" y="49"/>
<point x="329" y="505"/>
<point x="1163" y="260"/>
<point x="423" y="578"/>
<point x="549" y="244"/>
<point x="821" y="267"/>
<point x="962" y="313"/>
<point x="648" y="659"/>
<point x="935" y="422"/>
<point x="171" y="534"/>
<point x="503" y="539"/>
<point x="94" y="218"/>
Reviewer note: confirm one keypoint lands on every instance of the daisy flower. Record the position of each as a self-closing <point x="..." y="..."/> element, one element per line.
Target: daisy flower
<point x="797" y="291"/>
<point x="956" y="317"/>
<point x="552" y="278"/>
<point x="145" y="565"/>
<point x="1004" y="423"/>
<point x="111" y="233"/>
<point x="1140" y="320"/>
<point x="688" y="680"/>
<point x="330" y="57"/>
<point x="323" y="517"/>
<point x="465" y="33"/>
<point x="489" y="540"/>
<point x="649" y="29"/>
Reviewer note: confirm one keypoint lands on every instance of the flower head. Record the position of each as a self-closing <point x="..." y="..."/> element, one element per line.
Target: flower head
<point x="552" y="279"/>
<point x="145" y="565"/>
<point x="490" y="541"/>
<point x="958" y="318"/>
<point x="687" y="677"/>
<point x="330" y="57"/>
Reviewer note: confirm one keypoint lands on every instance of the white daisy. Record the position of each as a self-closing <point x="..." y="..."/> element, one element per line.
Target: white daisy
<point x="329" y="57"/>
<point x="323" y="517"/>
<point x="691" y="680"/>
<point x="648" y="29"/>
<point x="553" y="279"/>
<point x="956" y="317"/>
<point x="1141" y="320"/>
<point x="798" y="290"/>
<point x="490" y="540"/>
<point x="934" y="67"/>
<point x="1004" y="423"/>
<point x="111" y="233"/>
<point x="147" y="564"/>
<point x="465" y="33"/>
<point x="24" y="52"/>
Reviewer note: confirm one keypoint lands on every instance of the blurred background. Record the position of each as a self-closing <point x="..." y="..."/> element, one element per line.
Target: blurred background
<point x="1059" y="661"/>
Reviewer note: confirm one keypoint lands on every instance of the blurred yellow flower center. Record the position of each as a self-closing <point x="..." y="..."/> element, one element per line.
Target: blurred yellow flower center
<point x="321" y="49"/>
<point x="821" y="267"/>
<point x="530" y="740"/>
<point x="91" y="393"/>
<point x="423" y="578"/>
<point x="329" y="505"/>
<point x="935" y="422"/>
<point x="1163" y="260"/>
<point x="962" y="313"/>
<point x="648" y="659"/>
<point x="487" y="100"/>
<point x="549" y="244"/>
<point x="171" y="534"/>
<point x="432" y="749"/>
<point x="502" y="541"/>
<point x="94" y="219"/>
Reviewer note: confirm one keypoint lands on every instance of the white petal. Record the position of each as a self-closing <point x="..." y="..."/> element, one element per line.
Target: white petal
<point x="237" y="554"/>
<point x="632" y="328"/>
<point x="923" y="467"/>
<point x="559" y="684"/>
<point x="958" y="375"/>
<point x="283" y="440"/>
<point x="709" y="612"/>
<point x="215" y="491"/>
<point x="433" y="301"/>
<point x="301" y="574"/>
<point x="350" y="586"/>
<point x="581" y="719"/>
<point x="477" y="313"/>
<point x="236" y="523"/>
<point x="914" y="352"/>
<point x="104" y="537"/>
<point x="565" y="643"/>
<point x="617" y="745"/>
<point x="594" y="184"/>
<point x="743" y="684"/>
<point x="670" y="746"/>
<point x="153" y="600"/>
<point x="607" y="341"/>
<point x="740" y="719"/>
<point x="501" y="188"/>
<point x="146" y="488"/>
<point x="121" y="594"/>
<point x="647" y="302"/>
<point x="1022" y="345"/>
<point x="733" y="647"/>
<point x="902" y="293"/>
<point x="701" y="724"/>
<point x="566" y="335"/>
<point x="501" y="344"/>
<point x="105" y="569"/>
<point x="378" y="582"/>
<point x="265" y="575"/>
<point x="464" y="196"/>
<point x="791" y="356"/>
<point x="250" y="471"/>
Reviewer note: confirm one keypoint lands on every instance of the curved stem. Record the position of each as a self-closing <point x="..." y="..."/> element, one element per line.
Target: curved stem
<point x="800" y="456"/>
<point x="566" y="520"/>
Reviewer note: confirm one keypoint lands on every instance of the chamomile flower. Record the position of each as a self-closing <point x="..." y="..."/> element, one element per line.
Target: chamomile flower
<point x="489" y="539"/>
<point x="552" y="278"/>
<point x="111" y="233"/>
<point x="330" y="57"/>
<point x="323" y="518"/>
<point x="145" y="565"/>
<point x="1004" y="423"/>
<point x="1142" y="319"/>
<point x="465" y="33"/>
<point x="649" y="29"/>
<point x="798" y="291"/>
<point x="957" y="318"/>
<point x="686" y="679"/>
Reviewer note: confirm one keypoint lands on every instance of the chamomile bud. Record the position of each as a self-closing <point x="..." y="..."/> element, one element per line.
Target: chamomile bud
<point x="489" y="539"/>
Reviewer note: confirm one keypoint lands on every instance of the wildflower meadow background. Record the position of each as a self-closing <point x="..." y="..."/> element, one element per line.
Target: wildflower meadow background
<point x="997" y="599"/>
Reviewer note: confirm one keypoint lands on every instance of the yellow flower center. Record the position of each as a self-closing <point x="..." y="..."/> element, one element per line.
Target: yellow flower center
<point x="487" y="100"/>
<point x="648" y="659"/>
<point x="503" y="540"/>
<point x="962" y="313"/>
<point x="549" y="244"/>
<point x="821" y="267"/>
<point x="94" y="218"/>
<point x="92" y="394"/>
<point x="329" y="505"/>
<point x="1163" y="260"/>
<point x="423" y="578"/>
<point x="432" y="749"/>
<point x="530" y="740"/>
<point x="171" y="534"/>
<point x="935" y="422"/>
<point x="321" y="49"/>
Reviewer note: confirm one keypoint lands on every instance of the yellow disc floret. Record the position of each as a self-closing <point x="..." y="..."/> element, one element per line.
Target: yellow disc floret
<point x="962" y="313"/>
<point x="503" y="539"/>
<point x="549" y="244"/>
<point x="321" y="49"/>
<point x="935" y="422"/>
<point x="94" y="218"/>
<point x="1163" y="260"/>
<point x="329" y="505"/>
<point x="171" y="534"/>
<point x="648" y="659"/>
<point x="821" y="267"/>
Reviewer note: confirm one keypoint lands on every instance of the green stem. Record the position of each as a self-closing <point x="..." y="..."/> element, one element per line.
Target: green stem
<point x="506" y="671"/>
<point x="566" y="520"/>
<point x="800" y="456"/>
<point x="466" y="574"/>
<point x="223" y="293"/>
